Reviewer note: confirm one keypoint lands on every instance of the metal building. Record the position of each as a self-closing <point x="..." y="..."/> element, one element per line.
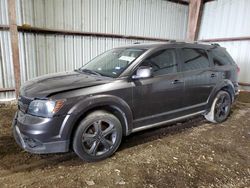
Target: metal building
<point x="60" y="35"/>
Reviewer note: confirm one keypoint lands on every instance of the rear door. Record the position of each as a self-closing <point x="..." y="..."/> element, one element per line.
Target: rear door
<point x="159" y="97"/>
<point x="198" y="77"/>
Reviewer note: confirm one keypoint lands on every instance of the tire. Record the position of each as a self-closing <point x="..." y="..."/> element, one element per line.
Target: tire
<point x="220" y="108"/>
<point x="98" y="136"/>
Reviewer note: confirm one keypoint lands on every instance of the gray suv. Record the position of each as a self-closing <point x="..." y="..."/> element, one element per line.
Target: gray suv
<point x="121" y="91"/>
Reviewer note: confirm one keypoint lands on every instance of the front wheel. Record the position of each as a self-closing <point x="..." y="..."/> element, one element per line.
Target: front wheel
<point x="220" y="108"/>
<point x="98" y="136"/>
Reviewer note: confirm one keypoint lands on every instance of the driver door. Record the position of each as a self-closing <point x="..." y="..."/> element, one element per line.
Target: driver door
<point x="159" y="97"/>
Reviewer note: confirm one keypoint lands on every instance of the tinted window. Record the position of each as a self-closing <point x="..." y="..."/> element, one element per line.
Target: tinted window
<point x="162" y="62"/>
<point x="221" y="57"/>
<point x="194" y="59"/>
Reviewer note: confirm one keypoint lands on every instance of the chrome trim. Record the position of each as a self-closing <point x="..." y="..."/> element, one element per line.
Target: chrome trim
<point x="164" y="122"/>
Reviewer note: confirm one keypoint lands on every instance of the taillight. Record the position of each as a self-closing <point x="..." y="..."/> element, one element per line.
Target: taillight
<point x="238" y="69"/>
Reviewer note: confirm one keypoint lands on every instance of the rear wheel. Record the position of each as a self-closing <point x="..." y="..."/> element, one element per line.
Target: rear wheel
<point x="98" y="136"/>
<point x="220" y="108"/>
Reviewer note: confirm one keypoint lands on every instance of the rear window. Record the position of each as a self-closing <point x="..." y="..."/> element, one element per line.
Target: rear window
<point x="221" y="57"/>
<point x="194" y="59"/>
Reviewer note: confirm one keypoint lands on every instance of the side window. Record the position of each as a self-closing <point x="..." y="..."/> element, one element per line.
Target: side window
<point x="162" y="62"/>
<point x="221" y="57"/>
<point x="194" y="59"/>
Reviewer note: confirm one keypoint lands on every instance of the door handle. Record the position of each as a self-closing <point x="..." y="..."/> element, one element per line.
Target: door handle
<point x="177" y="81"/>
<point x="213" y="75"/>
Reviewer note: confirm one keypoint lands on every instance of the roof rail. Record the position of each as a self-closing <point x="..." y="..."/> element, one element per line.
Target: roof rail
<point x="172" y="41"/>
<point x="215" y="44"/>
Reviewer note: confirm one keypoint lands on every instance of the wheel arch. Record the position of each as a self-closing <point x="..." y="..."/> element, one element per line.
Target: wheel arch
<point x="225" y="85"/>
<point x="108" y="103"/>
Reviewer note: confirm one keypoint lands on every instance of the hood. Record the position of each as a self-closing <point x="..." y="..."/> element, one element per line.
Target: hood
<point x="44" y="86"/>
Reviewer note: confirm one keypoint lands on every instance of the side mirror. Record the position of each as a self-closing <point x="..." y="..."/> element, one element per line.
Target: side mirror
<point x="143" y="72"/>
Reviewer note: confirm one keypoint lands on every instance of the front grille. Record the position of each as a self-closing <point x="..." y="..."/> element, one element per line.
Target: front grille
<point x="23" y="103"/>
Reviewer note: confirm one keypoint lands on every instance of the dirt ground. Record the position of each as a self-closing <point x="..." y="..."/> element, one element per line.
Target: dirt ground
<point x="193" y="153"/>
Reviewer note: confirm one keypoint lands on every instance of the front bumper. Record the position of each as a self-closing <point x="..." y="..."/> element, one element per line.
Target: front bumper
<point x="39" y="135"/>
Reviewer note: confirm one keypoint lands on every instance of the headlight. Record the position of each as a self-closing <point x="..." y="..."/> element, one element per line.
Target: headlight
<point x="44" y="108"/>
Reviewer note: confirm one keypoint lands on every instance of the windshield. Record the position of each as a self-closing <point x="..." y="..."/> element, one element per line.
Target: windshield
<point x="113" y="62"/>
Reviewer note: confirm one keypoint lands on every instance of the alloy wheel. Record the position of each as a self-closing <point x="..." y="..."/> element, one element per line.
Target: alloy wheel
<point x="222" y="106"/>
<point x="99" y="137"/>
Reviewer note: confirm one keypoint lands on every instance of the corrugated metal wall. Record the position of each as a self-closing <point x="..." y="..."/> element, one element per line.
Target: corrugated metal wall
<point x="3" y="12"/>
<point x="150" y="18"/>
<point x="240" y="53"/>
<point x="41" y="54"/>
<point x="225" y="19"/>
<point x="6" y="68"/>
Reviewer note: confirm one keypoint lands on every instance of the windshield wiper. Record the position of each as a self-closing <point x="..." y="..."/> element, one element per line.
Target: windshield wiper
<point x="89" y="71"/>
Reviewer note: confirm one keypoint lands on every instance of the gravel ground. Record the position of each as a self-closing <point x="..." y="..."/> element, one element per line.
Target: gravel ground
<point x="193" y="153"/>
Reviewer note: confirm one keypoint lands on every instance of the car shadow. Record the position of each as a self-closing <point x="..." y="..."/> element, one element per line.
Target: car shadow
<point x="149" y="135"/>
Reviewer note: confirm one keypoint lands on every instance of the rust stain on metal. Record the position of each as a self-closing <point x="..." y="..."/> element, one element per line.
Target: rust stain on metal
<point x="81" y="33"/>
<point x="4" y="27"/>
<point x="244" y="84"/>
<point x="230" y="39"/>
<point x="6" y="89"/>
